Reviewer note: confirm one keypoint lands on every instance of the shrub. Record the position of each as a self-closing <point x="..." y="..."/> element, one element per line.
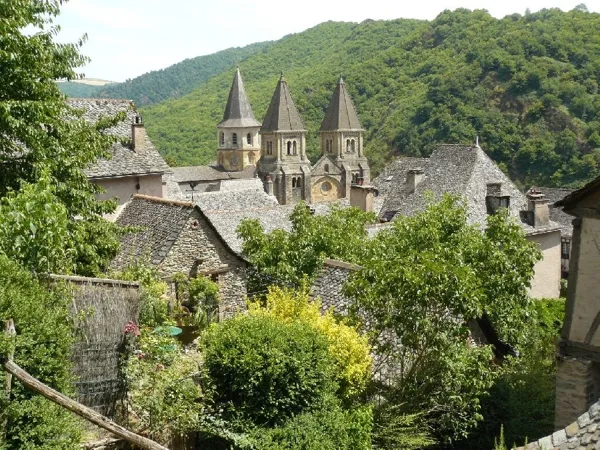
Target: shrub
<point x="348" y="350"/>
<point x="265" y="371"/>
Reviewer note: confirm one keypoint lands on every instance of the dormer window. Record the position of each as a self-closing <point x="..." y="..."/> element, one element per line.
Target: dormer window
<point x="234" y="138"/>
<point x="494" y="203"/>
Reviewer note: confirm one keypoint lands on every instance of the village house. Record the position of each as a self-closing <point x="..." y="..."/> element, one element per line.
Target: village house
<point x="177" y="237"/>
<point x="134" y="166"/>
<point x="468" y="172"/>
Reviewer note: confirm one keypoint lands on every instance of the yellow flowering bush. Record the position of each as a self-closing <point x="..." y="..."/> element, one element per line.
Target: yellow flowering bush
<point x="349" y="350"/>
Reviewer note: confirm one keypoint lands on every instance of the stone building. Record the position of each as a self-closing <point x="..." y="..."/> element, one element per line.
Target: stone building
<point x="468" y="172"/>
<point x="134" y="166"/>
<point x="176" y="237"/>
<point x="276" y="150"/>
<point x="578" y="369"/>
<point x="237" y="133"/>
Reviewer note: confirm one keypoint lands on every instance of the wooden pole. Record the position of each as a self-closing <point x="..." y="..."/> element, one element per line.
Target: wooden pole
<point x="9" y="330"/>
<point x="79" y="409"/>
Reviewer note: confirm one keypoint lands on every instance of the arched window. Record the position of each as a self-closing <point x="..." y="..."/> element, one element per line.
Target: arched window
<point x="251" y="158"/>
<point x="293" y="182"/>
<point x="352" y="145"/>
<point x="234" y="138"/>
<point x="222" y="138"/>
<point x="347" y="145"/>
<point x="289" y="147"/>
<point x="330" y="145"/>
<point x="295" y="148"/>
<point x="326" y="168"/>
<point x="249" y="139"/>
<point x="299" y="182"/>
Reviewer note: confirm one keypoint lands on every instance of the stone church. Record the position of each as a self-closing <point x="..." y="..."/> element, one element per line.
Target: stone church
<point x="277" y="147"/>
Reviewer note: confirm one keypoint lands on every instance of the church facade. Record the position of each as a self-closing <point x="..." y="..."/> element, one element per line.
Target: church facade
<point x="277" y="147"/>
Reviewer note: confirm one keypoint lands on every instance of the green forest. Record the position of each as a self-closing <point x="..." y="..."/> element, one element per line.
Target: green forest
<point x="527" y="85"/>
<point x="81" y="90"/>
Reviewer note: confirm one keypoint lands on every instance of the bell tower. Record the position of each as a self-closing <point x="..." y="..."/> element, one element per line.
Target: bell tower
<point x="237" y="134"/>
<point x="283" y="139"/>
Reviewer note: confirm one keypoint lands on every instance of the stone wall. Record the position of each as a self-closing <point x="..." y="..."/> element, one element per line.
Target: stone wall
<point x="123" y="188"/>
<point x="320" y="194"/>
<point x="199" y="249"/>
<point x="577" y="387"/>
<point x="581" y="434"/>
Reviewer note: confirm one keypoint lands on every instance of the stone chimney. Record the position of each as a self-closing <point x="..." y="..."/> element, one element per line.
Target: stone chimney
<point x="362" y="197"/>
<point x="537" y="209"/>
<point x="269" y="185"/>
<point x="413" y="179"/>
<point x="138" y="134"/>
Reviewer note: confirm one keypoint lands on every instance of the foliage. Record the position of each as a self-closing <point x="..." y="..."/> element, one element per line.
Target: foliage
<point x="154" y="310"/>
<point x="172" y="82"/>
<point x="37" y="141"/>
<point x="263" y="371"/>
<point x="424" y="279"/>
<point x="394" y="430"/>
<point x="199" y="299"/>
<point x="291" y="258"/>
<point x="526" y="84"/>
<point x="42" y="347"/>
<point x="531" y="376"/>
<point x="327" y="428"/>
<point x="347" y="349"/>
<point x="163" y="390"/>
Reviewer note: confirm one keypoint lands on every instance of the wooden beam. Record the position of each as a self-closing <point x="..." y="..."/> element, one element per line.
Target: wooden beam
<point x="79" y="409"/>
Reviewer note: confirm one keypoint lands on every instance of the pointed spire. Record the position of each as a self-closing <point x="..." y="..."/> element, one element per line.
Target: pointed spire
<point x="238" y="112"/>
<point x="341" y="114"/>
<point x="282" y="114"/>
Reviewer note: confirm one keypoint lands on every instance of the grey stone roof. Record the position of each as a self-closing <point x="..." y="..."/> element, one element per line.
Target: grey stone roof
<point x="574" y="197"/>
<point x="282" y="114"/>
<point x="464" y="171"/>
<point x="238" y="112"/>
<point x="583" y="434"/>
<point x="124" y="160"/>
<point x="329" y="284"/>
<point x="340" y="114"/>
<point x="209" y="173"/>
<point x="564" y="220"/>
<point x="160" y="221"/>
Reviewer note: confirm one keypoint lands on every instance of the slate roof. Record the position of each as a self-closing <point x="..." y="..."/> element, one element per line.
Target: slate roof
<point x="329" y="284"/>
<point x="161" y="222"/>
<point x="464" y="171"/>
<point x="282" y="114"/>
<point x="124" y="160"/>
<point x="340" y="114"/>
<point x="238" y="112"/>
<point x="564" y="220"/>
<point x="574" y="197"/>
<point x="210" y="173"/>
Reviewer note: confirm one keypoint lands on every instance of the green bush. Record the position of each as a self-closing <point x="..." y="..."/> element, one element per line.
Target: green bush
<point x="262" y="370"/>
<point x="42" y="347"/>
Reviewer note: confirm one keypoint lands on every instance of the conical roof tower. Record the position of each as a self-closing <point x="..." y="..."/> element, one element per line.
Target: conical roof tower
<point x="238" y="112"/>
<point x="282" y="114"/>
<point x="340" y="114"/>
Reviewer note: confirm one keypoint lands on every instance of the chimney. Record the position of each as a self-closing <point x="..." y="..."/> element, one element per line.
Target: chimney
<point x="537" y="209"/>
<point x="138" y="134"/>
<point x="269" y="185"/>
<point x="413" y="179"/>
<point x="362" y="197"/>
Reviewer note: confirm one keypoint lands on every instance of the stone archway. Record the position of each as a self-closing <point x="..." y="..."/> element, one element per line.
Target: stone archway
<point x="326" y="189"/>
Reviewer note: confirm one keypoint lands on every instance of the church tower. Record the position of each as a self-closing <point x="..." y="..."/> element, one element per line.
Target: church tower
<point x="284" y="166"/>
<point x="342" y="161"/>
<point x="237" y="133"/>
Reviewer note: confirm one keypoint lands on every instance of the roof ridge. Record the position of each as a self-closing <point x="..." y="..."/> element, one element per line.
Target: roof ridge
<point x="165" y="201"/>
<point x="341" y="264"/>
<point x="108" y="100"/>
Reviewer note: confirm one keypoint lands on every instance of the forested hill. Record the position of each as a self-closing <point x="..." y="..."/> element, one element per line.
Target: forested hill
<point x="527" y="85"/>
<point x="174" y="81"/>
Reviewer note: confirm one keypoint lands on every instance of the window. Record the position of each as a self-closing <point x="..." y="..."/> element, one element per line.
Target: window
<point x="222" y="138"/>
<point x="494" y="203"/>
<point x="234" y="138"/>
<point x="295" y="148"/>
<point x="251" y="158"/>
<point x="565" y="249"/>
<point x="298" y="182"/>
<point x="326" y="168"/>
<point x="289" y="147"/>
<point x="249" y="139"/>
<point x="293" y="182"/>
<point x="325" y="186"/>
<point x="269" y="147"/>
<point x="352" y="146"/>
<point x="347" y="145"/>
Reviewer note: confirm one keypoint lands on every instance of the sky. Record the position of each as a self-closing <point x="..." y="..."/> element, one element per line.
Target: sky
<point x="129" y="38"/>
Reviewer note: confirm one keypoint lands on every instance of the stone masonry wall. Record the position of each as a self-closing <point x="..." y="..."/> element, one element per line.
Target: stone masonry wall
<point x="582" y="434"/>
<point x="577" y="383"/>
<point x="199" y="249"/>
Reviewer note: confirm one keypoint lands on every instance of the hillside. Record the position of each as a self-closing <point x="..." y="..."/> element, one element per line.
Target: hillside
<point x="178" y="79"/>
<point x="80" y="88"/>
<point x="527" y="85"/>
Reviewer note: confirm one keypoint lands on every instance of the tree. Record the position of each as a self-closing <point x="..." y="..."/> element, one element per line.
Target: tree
<point x="41" y="136"/>
<point x="423" y="281"/>
<point x="290" y="258"/>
